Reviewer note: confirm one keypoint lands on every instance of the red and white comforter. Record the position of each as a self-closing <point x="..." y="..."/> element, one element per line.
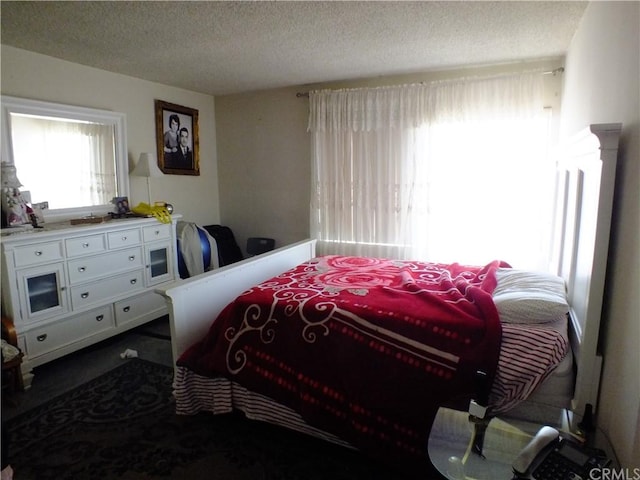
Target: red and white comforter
<point x="366" y="349"/>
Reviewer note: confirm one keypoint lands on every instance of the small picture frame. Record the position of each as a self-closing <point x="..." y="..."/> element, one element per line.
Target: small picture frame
<point x="177" y="139"/>
<point x="38" y="212"/>
<point x="122" y="205"/>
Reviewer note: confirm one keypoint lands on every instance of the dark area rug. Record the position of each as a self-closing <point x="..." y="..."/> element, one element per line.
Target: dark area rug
<point x="122" y="425"/>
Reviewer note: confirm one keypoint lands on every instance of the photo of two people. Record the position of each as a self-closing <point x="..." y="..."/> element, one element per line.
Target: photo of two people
<point x="177" y="132"/>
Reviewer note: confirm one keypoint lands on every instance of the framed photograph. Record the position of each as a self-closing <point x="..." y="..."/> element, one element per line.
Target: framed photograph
<point x="177" y="139"/>
<point x="122" y="205"/>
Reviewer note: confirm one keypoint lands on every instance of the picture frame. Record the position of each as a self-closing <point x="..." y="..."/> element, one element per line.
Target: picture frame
<point x="122" y="205"/>
<point x="177" y="127"/>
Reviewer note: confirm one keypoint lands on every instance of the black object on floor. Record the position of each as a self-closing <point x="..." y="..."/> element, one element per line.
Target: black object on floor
<point x="259" y="245"/>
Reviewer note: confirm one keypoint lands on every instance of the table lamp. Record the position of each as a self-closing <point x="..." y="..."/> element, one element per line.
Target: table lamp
<point x="147" y="167"/>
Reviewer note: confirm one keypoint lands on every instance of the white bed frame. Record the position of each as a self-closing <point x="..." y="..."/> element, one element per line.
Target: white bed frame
<point x="586" y="179"/>
<point x="194" y="302"/>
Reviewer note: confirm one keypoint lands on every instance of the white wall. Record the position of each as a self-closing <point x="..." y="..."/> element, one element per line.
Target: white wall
<point x="264" y="165"/>
<point x="31" y="75"/>
<point x="602" y="86"/>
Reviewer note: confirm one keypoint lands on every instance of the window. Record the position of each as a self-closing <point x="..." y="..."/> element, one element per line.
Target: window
<point x="487" y="187"/>
<point x="454" y="171"/>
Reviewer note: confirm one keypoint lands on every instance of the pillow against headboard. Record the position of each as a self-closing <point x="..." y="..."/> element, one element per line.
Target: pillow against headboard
<point x="529" y="297"/>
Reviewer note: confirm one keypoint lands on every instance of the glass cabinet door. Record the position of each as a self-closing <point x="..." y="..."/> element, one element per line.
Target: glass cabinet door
<point x="43" y="291"/>
<point x="159" y="265"/>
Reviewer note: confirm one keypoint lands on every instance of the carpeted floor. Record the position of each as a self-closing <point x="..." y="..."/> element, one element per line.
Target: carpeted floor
<point x="151" y="341"/>
<point x="122" y="425"/>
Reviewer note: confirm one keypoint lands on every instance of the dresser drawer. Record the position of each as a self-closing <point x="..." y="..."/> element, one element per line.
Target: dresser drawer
<point x="124" y="238"/>
<point x="90" y="268"/>
<point x="156" y="232"/>
<point x="133" y="308"/>
<point x="60" y="334"/>
<point x="85" y="245"/>
<point x="38" y="253"/>
<point x="102" y="290"/>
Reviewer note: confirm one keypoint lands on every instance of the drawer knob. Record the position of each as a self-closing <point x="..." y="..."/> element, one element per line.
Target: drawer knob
<point x="124" y="239"/>
<point x="81" y="269"/>
<point x="85" y="245"/>
<point x="133" y="281"/>
<point x="84" y="295"/>
<point x="99" y="318"/>
<point x="41" y="338"/>
<point x="157" y="232"/>
<point x="126" y="309"/>
<point x="132" y="258"/>
<point x="38" y="253"/>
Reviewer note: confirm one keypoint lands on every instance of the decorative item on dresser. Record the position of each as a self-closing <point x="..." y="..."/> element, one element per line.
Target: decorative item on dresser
<point x="14" y="207"/>
<point x="67" y="287"/>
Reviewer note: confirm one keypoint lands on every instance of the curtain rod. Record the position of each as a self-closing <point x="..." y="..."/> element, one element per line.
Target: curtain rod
<point x="549" y="72"/>
<point x="554" y="72"/>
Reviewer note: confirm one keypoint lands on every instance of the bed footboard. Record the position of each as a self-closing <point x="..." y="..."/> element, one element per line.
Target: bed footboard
<point x="194" y="303"/>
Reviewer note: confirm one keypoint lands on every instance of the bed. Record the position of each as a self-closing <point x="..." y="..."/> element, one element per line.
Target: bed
<point x="474" y="370"/>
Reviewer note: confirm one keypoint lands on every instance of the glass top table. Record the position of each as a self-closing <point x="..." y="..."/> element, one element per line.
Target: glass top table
<point x="450" y="446"/>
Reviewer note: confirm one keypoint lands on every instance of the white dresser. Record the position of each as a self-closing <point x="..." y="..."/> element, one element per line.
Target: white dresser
<point x="69" y="286"/>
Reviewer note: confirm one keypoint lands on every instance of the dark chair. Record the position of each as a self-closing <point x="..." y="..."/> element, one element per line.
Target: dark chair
<point x="258" y="245"/>
<point x="228" y="250"/>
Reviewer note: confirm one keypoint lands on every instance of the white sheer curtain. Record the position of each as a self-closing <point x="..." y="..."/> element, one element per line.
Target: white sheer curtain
<point x="448" y="171"/>
<point x="81" y="156"/>
<point x="365" y="159"/>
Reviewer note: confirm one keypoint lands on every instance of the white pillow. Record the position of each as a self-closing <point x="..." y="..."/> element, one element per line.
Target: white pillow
<point x="529" y="297"/>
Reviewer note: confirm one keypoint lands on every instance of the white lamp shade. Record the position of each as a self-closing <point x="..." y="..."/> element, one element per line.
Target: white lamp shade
<point x="9" y="176"/>
<point x="147" y="167"/>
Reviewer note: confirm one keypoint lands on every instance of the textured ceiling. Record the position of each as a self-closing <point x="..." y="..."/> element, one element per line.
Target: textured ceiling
<point x="236" y="46"/>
